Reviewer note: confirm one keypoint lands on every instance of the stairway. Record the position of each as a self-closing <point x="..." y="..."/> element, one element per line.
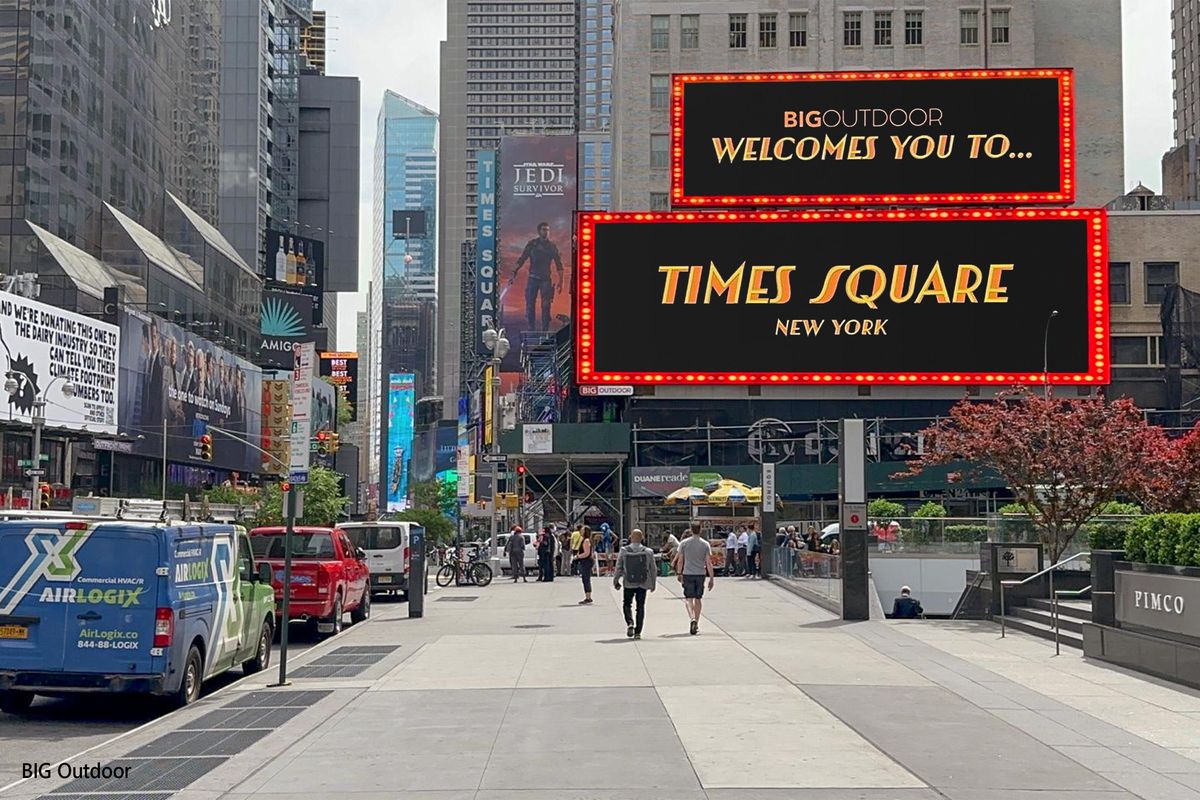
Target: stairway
<point x="1036" y="617"/>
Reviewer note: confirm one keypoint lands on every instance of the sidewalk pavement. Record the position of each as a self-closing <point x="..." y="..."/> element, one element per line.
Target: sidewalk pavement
<point x="516" y="691"/>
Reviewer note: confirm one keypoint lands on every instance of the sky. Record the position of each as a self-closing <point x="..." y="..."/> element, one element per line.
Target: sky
<point x="393" y="44"/>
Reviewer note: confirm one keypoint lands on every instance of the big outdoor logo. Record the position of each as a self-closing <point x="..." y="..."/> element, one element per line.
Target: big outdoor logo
<point x="51" y="556"/>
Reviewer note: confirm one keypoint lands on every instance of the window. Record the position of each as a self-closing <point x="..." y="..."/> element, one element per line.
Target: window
<point x="968" y="26"/>
<point x="660" y="32"/>
<point x="768" y="30"/>
<point x="1000" y="26"/>
<point x="883" y="29"/>
<point x="658" y="201"/>
<point x="914" y="27"/>
<point x="798" y="29"/>
<point x="1130" y="350"/>
<point x="737" y="31"/>
<point x="1118" y="282"/>
<point x="689" y="32"/>
<point x="852" y="28"/>
<point x="1160" y="275"/>
<point x="659" y="150"/>
<point x="660" y="91"/>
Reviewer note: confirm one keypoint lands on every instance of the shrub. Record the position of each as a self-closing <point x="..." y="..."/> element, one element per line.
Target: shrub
<point x="924" y="527"/>
<point x="1110" y="534"/>
<point x="884" y="509"/>
<point x="1016" y="524"/>
<point x="930" y="509"/>
<point x="1172" y="539"/>
<point x="966" y="533"/>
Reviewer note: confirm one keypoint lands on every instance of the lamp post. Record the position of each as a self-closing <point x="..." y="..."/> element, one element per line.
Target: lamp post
<point x="495" y="341"/>
<point x="13" y="384"/>
<point x="1046" y="353"/>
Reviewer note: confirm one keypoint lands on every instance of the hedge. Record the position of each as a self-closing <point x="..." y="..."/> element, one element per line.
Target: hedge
<point x="966" y="533"/>
<point x="880" y="508"/>
<point x="1172" y="539"/>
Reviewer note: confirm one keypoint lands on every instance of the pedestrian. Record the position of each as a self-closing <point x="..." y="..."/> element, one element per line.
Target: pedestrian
<point x="516" y="554"/>
<point x="606" y="538"/>
<point x="584" y="563"/>
<point x="781" y="537"/>
<point x="565" y="555"/>
<point x="731" y="544"/>
<point x="743" y="551"/>
<point x="670" y="548"/>
<point x="814" y="539"/>
<point x="545" y="549"/>
<point x="906" y="606"/>
<point x="576" y="538"/>
<point x="753" y="550"/>
<point x="693" y="563"/>
<point x="636" y="565"/>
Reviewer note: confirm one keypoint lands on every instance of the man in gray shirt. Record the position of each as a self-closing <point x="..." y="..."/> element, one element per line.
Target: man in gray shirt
<point x="693" y="562"/>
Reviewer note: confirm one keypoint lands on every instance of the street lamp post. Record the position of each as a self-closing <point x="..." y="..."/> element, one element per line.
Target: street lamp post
<point x="1046" y="353"/>
<point x="13" y="384"/>
<point x="495" y="341"/>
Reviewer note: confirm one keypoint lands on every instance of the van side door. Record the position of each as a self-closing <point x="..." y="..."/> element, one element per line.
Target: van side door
<point x="245" y="598"/>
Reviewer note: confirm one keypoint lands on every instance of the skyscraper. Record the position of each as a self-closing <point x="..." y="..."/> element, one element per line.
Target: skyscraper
<point x="1181" y="165"/>
<point x="596" y="56"/>
<point x="506" y="67"/>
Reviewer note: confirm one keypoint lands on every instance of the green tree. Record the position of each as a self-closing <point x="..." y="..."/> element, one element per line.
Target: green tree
<point x="881" y="509"/>
<point x="438" y="529"/>
<point x="926" y="527"/>
<point x="435" y="495"/>
<point x="345" y="409"/>
<point x="324" y="503"/>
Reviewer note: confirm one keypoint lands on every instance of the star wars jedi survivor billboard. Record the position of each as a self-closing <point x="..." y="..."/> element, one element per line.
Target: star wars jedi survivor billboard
<point x="934" y="296"/>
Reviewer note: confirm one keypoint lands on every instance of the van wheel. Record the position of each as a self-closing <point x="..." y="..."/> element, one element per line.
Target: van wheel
<point x="14" y="702"/>
<point x="363" y="612"/>
<point x="336" y="618"/>
<point x="193" y="675"/>
<point x="262" y="656"/>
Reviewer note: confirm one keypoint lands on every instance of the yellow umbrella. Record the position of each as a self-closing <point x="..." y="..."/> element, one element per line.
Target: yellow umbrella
<point x="729" y="495"/>
<point x="712" y="486"/>
<point x="687" y="494"/>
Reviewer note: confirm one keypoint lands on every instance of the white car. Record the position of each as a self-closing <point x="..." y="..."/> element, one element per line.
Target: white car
<point x="531" y="556"/>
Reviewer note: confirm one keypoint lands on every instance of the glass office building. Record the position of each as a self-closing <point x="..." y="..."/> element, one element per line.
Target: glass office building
<point x="595" y="104"/>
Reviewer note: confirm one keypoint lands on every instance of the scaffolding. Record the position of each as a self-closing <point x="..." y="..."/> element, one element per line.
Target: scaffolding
<point x="547" y="362"/>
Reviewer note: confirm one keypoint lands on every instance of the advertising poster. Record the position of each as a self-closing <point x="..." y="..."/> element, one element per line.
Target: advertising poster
<point x="276" y="426"/>
<point x="302" y="412"/>
<point x="464" y="449"/>
<point x="172" y="376"/>
<point x="534" y="238"/>
<point x="485" y="246"/>
<point x="283" y="322"/>
<point x="861" y="138"/>
<point x="45" y="347"/>
<point x="400" y="438"/>
<point x="342" y="369"/>
<point x="324" y="413"/>
<point x="296" y="264"/>
<point x="938" y="296"/>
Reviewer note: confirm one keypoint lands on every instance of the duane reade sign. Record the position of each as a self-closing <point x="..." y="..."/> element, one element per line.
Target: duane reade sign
<point x="1164" y="602"/>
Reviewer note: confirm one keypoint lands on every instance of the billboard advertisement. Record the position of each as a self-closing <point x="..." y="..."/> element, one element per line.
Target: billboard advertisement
<point x="296" y="264"/>
<point x="485" y="246"/>
<point x="46" y="347"/>
<point x="464" y="449"/>
<point x="534" y="238"/>
<point x="399" y="438"/>
<point x="936" y="296"/>
<point x="172" y="377"/>
<point x="276" y="426"/>
<point x="342" y="369"/>
<point x="871" y="138"/>
<point x="283" y="322"/>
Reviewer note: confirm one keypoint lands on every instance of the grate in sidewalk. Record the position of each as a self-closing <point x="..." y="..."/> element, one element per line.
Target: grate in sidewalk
<point x="109" y="796"/>
<point x="199" y="743"/>
<point x="345" y="662"/>
<point x="461" y="598"/>
<point x="532" y="626"/>
<point x="147" y="775"/>
<point x="243" y="718"/>
<point x="279" y="699"/>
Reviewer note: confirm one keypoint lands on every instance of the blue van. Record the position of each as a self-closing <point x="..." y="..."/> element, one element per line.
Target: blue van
<point x="118" y="606"/>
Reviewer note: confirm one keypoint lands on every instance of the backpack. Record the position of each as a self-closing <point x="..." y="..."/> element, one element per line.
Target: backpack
<point x="637" y="571"/>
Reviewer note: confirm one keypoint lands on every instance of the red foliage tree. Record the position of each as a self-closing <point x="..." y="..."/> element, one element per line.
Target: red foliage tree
<point x="1173" y="479"/>
<point x="1063" y="458"/>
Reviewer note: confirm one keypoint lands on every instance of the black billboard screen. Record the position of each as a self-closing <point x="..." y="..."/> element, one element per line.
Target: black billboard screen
<point x="938" y="296"/>
<point x="296" y="264"/>
<point x="342" y="370"/>
<point x="919" y="137"/>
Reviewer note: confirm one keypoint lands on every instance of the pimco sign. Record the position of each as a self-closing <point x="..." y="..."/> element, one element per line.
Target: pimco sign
<point x="1161" y="602"/>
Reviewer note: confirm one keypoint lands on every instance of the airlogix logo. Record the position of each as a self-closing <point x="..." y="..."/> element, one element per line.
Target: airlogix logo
<point x="110" y="597"/>
<point x="51" y="556"/>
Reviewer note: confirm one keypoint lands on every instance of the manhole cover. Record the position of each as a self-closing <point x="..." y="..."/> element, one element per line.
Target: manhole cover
<point x="532" y="626"/>
<point x="458" y="599"/>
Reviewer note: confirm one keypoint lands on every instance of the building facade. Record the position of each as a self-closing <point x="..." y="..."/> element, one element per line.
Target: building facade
<point x="655" y="38"/>
<point x="596" y="59"/>
<point x="506" y="67"/>
<point x="1181" y="165"/>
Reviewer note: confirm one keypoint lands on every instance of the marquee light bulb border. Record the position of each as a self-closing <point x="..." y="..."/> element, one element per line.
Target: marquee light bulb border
<point x="1066" y="161"/>
<point x="1098" y="308"/>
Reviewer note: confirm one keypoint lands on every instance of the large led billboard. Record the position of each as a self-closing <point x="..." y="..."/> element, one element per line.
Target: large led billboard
<point x="908" y="297"/>
<point x="342" y="370"/>
<point x="873" y="138"/>
<point x="399" y="438"/>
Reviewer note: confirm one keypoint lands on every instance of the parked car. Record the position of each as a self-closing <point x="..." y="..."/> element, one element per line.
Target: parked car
<point x="531" y="557"/>
<point x="388" y="553"/>
<point x="135" y="607"/>
<point x="329" y="576"/>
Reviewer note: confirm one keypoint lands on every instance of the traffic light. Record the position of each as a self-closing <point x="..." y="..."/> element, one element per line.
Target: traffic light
<point x="44" y="496"/>
<point x="335" y="441"/>
<point x="206" y="447"/>
<point x="322" y="443"/>
<point x="521" y="470"/>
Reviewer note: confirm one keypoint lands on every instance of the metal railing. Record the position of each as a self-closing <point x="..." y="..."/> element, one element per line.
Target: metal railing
<point x="1048" y="570"/>
<point x="1054" y="609"/>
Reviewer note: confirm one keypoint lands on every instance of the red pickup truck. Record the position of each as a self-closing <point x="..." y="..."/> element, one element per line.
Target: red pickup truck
<point x="329" y="576"/>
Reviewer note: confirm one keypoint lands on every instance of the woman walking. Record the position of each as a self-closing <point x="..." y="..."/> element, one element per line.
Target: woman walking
<point x="584" y="561"/>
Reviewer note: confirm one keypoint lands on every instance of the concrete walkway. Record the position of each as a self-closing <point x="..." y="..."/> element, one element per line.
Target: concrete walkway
<point x="516" y="691"/>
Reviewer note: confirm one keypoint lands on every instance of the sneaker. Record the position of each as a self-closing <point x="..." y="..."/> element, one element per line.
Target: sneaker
<point x="629" y="632"/>
<point x="695" y="628"/>
<point x="585" y="601"/>
<point x="637" y="636"/>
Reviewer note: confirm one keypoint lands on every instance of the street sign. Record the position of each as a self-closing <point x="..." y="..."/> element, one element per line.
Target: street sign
<point x="28" y="462"/>
<point x="495" y="458"/>
<point x="299" y="476"/>
<point x="856" y="516"/>
<point x="30" y="473"/>
<point x="768" y="488"/>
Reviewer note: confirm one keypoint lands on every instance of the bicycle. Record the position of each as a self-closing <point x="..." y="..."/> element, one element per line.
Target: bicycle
<point x="473" y="570"/>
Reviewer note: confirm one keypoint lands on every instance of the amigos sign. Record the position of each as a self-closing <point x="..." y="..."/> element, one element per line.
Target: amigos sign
<point x="862" y="138"/>
<point x="940" y="296"/>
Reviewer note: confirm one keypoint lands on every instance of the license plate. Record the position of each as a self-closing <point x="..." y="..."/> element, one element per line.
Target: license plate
<point x="14" y="632"/>
<point x="385" y="578"/>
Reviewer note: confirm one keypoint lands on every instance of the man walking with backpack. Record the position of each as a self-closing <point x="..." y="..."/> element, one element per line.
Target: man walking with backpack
<point x="636" y="565"/>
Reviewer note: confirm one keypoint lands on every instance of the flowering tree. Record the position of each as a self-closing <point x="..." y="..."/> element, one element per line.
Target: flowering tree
<point x="1064" y="458"/>
<point x="1173" y="484"/>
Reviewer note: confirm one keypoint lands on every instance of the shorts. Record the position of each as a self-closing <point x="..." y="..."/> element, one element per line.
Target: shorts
<point x="693" y="586"/>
